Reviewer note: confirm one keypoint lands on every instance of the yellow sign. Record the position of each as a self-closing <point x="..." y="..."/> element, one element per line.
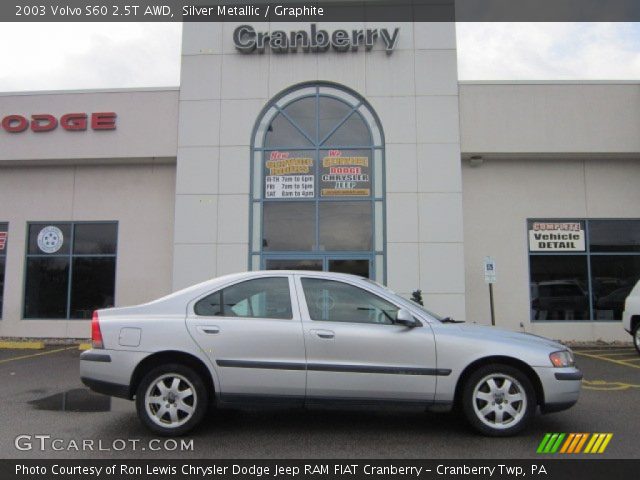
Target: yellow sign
<point x="289" y="166"/>
<point x="336" y="192"/>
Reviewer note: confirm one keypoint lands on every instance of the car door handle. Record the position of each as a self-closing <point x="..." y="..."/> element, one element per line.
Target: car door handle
<point x="324" y="333"/>
<point x="209" y="329"/>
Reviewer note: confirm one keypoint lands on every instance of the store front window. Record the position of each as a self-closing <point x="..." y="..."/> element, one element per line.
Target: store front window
<point x="4" y="237"/>
<point x="582" y="269"/>
<point x="70" y="269"/>
<point x="318" y="184"/>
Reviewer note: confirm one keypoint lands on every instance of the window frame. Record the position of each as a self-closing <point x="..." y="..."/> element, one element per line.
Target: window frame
<point x="70" y="256"/>
<point x="588" y="254"/>
<point x="358" y="106"/>
<point x="303" y="300"/>
<point x="292" y="300"/>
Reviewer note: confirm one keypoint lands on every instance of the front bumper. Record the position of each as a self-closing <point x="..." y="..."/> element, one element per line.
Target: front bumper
<point x="561" y="387"/>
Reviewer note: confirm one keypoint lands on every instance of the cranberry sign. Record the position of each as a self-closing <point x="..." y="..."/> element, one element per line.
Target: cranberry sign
<point x="72" y="122"/>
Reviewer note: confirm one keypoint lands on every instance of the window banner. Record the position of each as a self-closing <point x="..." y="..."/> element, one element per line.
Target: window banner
<point x="556" y="237"/>
<point x="289" y="175"/>
<point x="3" y="240"/>
<point x="345" y="175"/>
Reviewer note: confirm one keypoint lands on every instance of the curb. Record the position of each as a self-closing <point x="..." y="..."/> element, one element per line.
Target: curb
<point x="18" y="345"/>
<point x="84" y="346"/>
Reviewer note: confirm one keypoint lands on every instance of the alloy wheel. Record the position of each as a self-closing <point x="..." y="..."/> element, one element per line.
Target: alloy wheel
<point x="170" y="400"/>
<point x="499" y="401"/>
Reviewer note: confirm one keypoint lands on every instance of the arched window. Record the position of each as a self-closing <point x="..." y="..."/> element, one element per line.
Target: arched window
<point x="317" y="195"/>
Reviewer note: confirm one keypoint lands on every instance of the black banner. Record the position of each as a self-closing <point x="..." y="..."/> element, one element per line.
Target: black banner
<point x="543" y="467"/>
<point x="319" y="10"/>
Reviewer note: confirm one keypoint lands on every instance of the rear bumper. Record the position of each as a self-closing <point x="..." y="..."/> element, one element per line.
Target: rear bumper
<point x="109" y="371"/>
<point x="106" y="388"/>
<point x="561" y="387"/>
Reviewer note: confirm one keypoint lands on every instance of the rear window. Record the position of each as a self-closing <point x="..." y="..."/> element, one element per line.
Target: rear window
<point x="258" y="298"/>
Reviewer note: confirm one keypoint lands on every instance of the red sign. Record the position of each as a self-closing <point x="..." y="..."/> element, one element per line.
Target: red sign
<point x="278" y="155"/>
<point x="72" y="122"/>
<point x="3" y="240"/>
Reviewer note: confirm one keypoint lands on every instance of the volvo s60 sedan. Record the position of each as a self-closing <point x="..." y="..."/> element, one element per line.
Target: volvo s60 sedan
<point x="299" y="338"/>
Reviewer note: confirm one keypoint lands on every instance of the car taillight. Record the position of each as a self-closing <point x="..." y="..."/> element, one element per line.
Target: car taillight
<point x="96" y="334"/>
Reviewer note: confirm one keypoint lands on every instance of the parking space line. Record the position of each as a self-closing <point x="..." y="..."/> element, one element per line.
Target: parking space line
<point x="603" y="385"/>
<point x="620" y="354"/>
<point x="22" y="357"/>
<point x="604" y="350"/>
<point x="598" y="357"/>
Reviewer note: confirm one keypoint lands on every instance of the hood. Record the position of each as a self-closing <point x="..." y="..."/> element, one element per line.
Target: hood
<point x="499" y="334"/>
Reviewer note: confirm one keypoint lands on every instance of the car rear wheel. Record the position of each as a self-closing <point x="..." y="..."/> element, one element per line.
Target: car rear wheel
<point x="171" y="399"/>
<point x="636" y="337"/>
<point x="498" y="400"/>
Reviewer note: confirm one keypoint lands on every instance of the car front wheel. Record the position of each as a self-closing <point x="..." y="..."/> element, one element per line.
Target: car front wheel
<point x="171" y="400"/>
<point x="498" y="400"/>
<point x="636" y="337"/>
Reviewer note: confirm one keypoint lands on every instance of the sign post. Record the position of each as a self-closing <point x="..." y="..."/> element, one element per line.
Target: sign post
<point x="490" y="278"/>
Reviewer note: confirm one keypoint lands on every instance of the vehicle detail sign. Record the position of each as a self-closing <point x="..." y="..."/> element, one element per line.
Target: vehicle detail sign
<point x="344" y="175"/>
<point x="556" y="237"/>
<point x="289" y="176"/>
<point x="3" y="240"/>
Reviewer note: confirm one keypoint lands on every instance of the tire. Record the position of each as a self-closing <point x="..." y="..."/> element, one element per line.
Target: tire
<point x="494" y="411"/>
<point x="171" y="399"/>
<point x="636" y="337"/>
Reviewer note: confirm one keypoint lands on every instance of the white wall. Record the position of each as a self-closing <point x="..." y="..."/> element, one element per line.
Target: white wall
<point x="415" y="93"/>
<point x="139" y="197"/>
<point x="500" y="195"/>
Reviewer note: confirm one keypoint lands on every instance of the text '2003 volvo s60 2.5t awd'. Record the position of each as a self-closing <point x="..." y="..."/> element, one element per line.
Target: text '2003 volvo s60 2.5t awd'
<point x="313" y="339"/>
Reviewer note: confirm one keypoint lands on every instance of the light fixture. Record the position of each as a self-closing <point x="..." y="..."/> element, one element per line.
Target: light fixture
<point x="476" y="161"/>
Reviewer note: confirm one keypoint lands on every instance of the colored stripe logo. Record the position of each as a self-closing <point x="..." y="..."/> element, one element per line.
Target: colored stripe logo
<point x="574" y="443"/>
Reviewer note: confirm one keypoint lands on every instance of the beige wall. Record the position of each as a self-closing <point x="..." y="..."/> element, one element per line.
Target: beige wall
<point x="413" y="90"/>
<point x="500" y="195"/>
<point x="139" y="197"/>
<point x="550" y="117"/>
<point x="146" y="126"/>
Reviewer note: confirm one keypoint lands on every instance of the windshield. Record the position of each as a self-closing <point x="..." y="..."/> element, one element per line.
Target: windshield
<point x="405" y="300"/>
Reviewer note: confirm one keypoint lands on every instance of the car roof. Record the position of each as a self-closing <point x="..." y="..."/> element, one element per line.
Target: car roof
<point x="214" y="282"/>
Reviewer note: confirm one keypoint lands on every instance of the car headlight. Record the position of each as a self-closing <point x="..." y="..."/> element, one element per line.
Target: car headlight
<point x="563" y="358"/>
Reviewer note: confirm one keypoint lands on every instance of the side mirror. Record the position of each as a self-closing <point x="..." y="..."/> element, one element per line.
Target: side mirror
<point x="405" y="318"/>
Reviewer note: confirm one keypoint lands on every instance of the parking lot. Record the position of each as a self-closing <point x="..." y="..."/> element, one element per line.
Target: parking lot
<point x="42" y="395"/>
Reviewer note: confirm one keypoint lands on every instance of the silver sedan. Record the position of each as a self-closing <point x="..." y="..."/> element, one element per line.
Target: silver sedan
<point x="295" y="338"/>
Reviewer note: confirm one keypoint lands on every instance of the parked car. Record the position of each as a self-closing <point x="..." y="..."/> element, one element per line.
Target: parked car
<point x="302" y="338"/>
<point x="631" y="315"/>
<point x="614" y="301"/>
<point x="559" y="300"/>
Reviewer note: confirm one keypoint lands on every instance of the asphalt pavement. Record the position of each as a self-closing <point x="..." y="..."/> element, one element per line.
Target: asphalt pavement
<point x="47" y="413"/>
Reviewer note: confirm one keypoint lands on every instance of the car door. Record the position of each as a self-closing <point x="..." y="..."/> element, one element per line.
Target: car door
<point x="354" y="349"/>
<point x="251" y="331"/>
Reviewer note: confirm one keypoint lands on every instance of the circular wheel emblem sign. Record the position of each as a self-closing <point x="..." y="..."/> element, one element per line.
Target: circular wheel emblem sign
<point x="50" y="239"/>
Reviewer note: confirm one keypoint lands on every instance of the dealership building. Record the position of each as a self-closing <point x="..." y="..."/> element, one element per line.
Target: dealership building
<point x="342" y="147"/>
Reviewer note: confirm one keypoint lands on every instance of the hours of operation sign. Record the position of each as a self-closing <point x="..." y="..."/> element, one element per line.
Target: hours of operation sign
<point x="289" y="176"/>
<point x="289" y="186"/>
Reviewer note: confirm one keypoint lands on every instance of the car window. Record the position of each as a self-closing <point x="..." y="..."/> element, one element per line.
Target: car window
<point x="331" y="301"/>
<point x="258" y="298"/>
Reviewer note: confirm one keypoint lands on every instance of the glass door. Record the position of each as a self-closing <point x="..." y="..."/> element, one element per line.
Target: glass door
<point x="354" y="266"/>
<point x="360" y="267"/>
<point x="315" y="264"/>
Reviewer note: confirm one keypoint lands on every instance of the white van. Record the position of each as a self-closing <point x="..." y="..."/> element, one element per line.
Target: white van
<point x="631" y="315"/>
